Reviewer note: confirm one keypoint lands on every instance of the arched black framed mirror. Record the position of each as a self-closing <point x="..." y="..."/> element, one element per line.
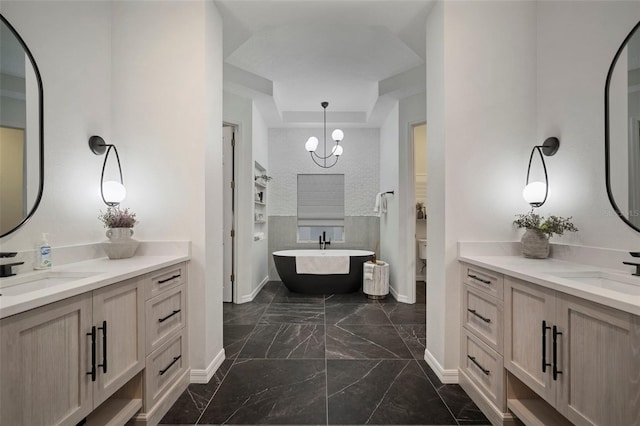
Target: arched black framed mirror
<point x="21" y="131"/>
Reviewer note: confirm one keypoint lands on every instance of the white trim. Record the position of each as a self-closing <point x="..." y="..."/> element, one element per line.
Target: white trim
<point x="203" y="376"/>
<point x="249" y="298"/>
<point x="399" y="297"/>
<point x="445" y="376"/>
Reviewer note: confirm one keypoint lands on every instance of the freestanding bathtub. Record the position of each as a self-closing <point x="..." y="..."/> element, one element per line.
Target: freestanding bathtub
<point x="285" y="261"/>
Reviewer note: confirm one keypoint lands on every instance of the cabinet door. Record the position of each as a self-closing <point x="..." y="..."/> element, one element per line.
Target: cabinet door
<point x="599" y="350"/>
<point x="527" y="307"/>
<point x="45" y="355"/>
<point x="121" y="307"/>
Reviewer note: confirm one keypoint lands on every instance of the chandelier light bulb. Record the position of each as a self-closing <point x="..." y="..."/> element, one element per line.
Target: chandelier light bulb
<point x="114" y="192"/>
<point x="312" y="144"/>
<point x="337" y="150"/>
<point x="337" y="135"/>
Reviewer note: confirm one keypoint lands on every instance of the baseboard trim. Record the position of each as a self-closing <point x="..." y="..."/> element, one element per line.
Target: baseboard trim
<point x="488" y="407"/>
<point x="445" y="376"/>
<point x="203" y="376"/>
<point x="399" y="297"/>
<point x="249" y="298"/>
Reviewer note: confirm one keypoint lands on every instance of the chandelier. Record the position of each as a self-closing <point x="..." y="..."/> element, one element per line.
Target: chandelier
<point x="336" y="151"/>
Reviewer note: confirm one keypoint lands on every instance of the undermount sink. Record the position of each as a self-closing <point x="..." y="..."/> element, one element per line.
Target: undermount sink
<point x="18" y="285"/>
<point x="616" y="282"/>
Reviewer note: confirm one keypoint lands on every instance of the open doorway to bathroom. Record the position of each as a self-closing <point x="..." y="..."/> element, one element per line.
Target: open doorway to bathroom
<point x="229" y="133"/>
<point x="419" y="136"/>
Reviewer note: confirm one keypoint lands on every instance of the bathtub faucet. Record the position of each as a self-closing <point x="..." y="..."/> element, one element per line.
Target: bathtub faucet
<point x="322" y="240"/>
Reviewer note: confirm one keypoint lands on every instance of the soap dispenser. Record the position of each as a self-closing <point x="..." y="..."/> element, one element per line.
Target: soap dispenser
<point x="43" y="253"/>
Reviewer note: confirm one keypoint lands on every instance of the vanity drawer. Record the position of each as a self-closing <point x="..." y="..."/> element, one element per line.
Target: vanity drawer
<point x="484" y="367"/>
<point x="482" y="314"/>
<point x="164" y="368"/>
<point x="483" y="279"/>
<point x="165" y="279"/>
<point x="165" y="314"/>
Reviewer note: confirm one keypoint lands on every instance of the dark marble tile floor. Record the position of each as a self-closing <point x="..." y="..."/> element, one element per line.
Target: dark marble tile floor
<point x="324" y="360"/>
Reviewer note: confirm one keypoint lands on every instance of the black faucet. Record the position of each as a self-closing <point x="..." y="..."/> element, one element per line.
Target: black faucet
<point x="322" y="240"/>
<point x="6" y="271"/>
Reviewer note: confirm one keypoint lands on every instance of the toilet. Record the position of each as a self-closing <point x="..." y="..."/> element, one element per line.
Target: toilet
<point x="422" y="248"/>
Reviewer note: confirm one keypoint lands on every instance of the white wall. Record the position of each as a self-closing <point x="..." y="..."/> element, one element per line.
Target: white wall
<point x="260" y="142"/>
<point x="168" y="124"/>
<point x="412" y="111"/>
<point x="359" y="163"/>
<point x="481" y="113"/>
<point x="103" y="74"/>
<point x="251" y="145"/>
<point x="389" y="181"/>
<point x="238" y="111"/>
<point x="576" y="42"/>
<point x="71" y="44"/>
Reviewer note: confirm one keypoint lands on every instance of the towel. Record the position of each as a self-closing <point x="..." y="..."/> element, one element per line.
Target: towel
<point x="368" y="270"/>
<point x="322" y="265"/>
<point x="381" y="203"/>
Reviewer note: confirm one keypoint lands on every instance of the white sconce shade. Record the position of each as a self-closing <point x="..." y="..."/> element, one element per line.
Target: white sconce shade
<point x="312" y="144"/>
<point x="337" y="135"/>
<point x="114" y="192"/>
<point x="337" y="151"/>
<point x="534" y="193"/>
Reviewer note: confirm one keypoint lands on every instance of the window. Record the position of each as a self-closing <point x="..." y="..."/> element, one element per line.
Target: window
<point x="320" y="207"/>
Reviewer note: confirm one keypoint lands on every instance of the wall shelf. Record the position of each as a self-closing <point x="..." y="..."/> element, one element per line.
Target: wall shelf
<point x="260" y="207"/>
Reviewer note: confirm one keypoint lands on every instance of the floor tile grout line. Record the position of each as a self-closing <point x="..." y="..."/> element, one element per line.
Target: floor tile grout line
<point x="326" y="362"/>
<point x="234" y="360"/>
<point x="423" y="372"/>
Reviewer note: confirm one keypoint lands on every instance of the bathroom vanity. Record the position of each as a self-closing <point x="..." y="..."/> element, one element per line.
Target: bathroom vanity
<point x="550" y="341"/>
<point x="102" y="340"/>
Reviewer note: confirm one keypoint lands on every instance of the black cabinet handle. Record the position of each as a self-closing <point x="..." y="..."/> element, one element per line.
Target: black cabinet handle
<point x="175" y="359"/>
<point x="104" y="346"/>
<point x="479" y="279"/>
<point x="175" y="311"/>
<point x="168" y="279"/>
<point x="556" y="333"/>
<point x="473" y="359"/>
<point x="473" y="311"/>
<point x="545" y="364"/>
<point x="92" y="373"/>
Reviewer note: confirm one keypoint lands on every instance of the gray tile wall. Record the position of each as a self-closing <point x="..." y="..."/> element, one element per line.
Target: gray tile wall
<point x="361" y="233"/>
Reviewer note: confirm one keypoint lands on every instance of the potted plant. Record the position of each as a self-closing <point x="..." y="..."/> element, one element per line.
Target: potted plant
<point x="119" y="223"/>
<point x="535" y="241"/>
<point x="419" y="209"/>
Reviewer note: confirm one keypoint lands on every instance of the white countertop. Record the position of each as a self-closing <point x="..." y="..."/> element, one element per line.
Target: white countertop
<point x="95" y="273"/>
<point x="543" y="272"/>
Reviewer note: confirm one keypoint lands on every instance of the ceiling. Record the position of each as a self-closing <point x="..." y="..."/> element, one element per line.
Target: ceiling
<point x="359" y="55"/>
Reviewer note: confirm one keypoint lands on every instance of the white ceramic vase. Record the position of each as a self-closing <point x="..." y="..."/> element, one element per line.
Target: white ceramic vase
<point x="120" y="244"/>
<point x="535" y="244"/>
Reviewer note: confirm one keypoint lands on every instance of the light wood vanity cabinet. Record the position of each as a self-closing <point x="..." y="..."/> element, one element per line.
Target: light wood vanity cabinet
<point x="482" y="373"/>
<point x="591" y="355"/>
<point x="552" y="358"/>
<point x="63" y="360"/>
<point x="44" y="357"/>
<point x="87" y="356"/>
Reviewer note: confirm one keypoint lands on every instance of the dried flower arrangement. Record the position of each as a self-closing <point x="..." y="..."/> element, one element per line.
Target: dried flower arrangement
<point x="115" y="217"/>
<point x="553" y="225"/>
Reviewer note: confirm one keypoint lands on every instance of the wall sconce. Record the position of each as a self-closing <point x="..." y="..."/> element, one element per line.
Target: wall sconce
<point x="112" y="192"/>
<point x="535" y="193"/>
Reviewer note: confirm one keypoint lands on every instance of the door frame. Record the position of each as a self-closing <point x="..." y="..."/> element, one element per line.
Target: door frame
<point x="236" y="137"/>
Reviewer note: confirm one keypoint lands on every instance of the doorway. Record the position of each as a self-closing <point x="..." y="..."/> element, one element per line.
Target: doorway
<point x="419" y="137"/>
<point x="229" y="133"/>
